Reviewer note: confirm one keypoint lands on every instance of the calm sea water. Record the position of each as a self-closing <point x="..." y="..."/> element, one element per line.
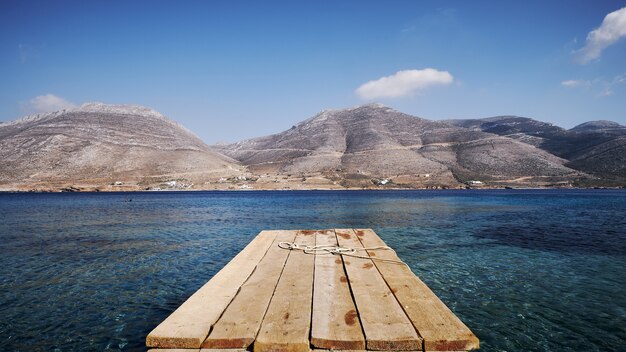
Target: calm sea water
<point x="525" y="270"/>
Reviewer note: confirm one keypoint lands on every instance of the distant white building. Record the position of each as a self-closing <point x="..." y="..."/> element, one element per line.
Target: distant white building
<point x="381" y="182"/>
<point x="475" y="183"/>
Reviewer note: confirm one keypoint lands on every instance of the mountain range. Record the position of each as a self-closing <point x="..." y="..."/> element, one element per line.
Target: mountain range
<point x="125" y="147"/>
<point x="595" y="147"/>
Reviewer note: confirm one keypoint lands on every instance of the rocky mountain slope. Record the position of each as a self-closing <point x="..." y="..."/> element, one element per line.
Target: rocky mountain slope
<point x="595" y="147"/>
<point x="97" y="145"/>
<point x="125" y="147"/>
<point x="370" y="143"/>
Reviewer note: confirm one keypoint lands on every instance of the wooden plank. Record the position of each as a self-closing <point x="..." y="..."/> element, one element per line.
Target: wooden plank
<point x="189" y="325"/>
<point x="286" y="325"/>
<point x="385" y="324"/>
<point x="194" y="350"/>
<point x="241" y="321"/>
<point x="334" y="324"/>
<point x="321" y="350"/>
<point x="435" y="322"/>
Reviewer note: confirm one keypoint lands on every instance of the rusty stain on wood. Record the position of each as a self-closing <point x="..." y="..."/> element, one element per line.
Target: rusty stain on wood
<point x="350" y="317"/>
<point x="345" y="236"/>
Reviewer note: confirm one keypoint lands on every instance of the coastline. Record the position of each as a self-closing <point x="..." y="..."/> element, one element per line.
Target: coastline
<point x="193" y="190"/>
<point x="248" y="181"/>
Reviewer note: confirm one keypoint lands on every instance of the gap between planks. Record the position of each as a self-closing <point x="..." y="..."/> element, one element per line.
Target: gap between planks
<point x="385" y="324"/>
<point x="287" y="322"/>
<point x="334" y="322"/>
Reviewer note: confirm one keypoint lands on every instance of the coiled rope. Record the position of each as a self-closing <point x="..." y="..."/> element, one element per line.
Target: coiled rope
<point x="336" y="250"/>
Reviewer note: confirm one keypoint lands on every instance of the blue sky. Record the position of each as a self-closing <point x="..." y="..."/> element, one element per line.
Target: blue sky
<point x="230" y="70"/>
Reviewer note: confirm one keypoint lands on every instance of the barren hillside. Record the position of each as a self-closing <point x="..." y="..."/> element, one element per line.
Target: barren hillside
<point x="97" y="145"/>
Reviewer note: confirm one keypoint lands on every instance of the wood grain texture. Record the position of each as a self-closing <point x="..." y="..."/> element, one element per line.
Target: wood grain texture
<point x="435" y="322"/>
<point x="189" y="325"/>
<point x="286" y="325"/>
<point x="385" y="325"/>
<point x="240" y="323"/>
<point x="335" y="324"/>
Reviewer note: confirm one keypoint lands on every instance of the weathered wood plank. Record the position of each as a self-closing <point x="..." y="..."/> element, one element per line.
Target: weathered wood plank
<point x="189" y="325"/>
<point x="438" y="326"/>
<point x="321" y="350"/>
<point x="241" y="321"/>
<point x="195" y="350"/>
<point x="385" y="324"/>
<point x="334" y="324"/>
<point x="286" y="325"/>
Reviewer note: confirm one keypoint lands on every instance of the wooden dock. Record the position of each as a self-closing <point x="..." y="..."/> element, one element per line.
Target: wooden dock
<point x="270" y="298"/>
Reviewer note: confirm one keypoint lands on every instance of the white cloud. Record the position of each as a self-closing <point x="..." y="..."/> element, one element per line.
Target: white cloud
<point x="47" y="102"/>
<point x="612" y="29"/>
<point x="599" y="86"/>
<point x="609" y="87"/>
<point x="403" y="83"/>
<point x="571" y="83"/>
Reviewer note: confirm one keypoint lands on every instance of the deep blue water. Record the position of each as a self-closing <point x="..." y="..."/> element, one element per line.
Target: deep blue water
<point x="525" y="270"/>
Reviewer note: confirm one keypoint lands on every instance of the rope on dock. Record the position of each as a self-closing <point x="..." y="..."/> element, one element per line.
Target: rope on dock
<point x="336" y="250"/>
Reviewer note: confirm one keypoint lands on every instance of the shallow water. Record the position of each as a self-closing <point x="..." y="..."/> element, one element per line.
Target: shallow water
<point x="525" y="270"/>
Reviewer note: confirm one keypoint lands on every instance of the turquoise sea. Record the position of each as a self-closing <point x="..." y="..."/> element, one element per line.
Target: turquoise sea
<point x="526" y="270"/>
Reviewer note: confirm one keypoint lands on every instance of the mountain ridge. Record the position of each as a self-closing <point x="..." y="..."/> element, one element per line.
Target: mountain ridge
<point x="100" y="145"/>
<point x="129" y="147"/>
<point x="380" y="142"/>
<point x="595" y="147"/>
